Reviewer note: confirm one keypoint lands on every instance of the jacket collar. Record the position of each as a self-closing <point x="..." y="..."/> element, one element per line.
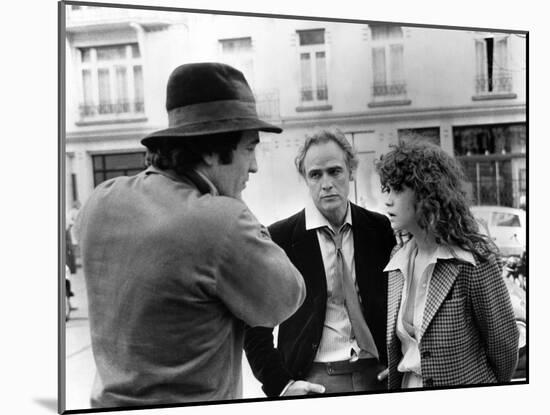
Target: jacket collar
<point x="201" y="182"/>
<point x="400" y="261"/>
<point x="315" y="219"/>
<point x="446" y="259"/>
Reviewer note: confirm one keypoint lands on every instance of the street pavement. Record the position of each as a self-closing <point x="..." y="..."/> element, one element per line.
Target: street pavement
<point x="79" y="363"/>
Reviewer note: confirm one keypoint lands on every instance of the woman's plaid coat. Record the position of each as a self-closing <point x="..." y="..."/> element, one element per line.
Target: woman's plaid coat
<point x="468" y="334"/>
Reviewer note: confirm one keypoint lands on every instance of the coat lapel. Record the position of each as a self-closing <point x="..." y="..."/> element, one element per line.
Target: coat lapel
<point x="442" y="280"/>
<point x="307" y="257"/>
<point x="395" y="289"/>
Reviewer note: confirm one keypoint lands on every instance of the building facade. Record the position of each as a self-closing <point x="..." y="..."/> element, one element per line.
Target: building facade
<point x="464" y="90"/>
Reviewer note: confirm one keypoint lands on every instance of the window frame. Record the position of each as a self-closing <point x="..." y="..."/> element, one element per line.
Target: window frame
<point x="500" y="81"/>
<point x="104" y="170"/>
<point x="316" y="87"/>
<point x="239" y="59"/>
<point x="130" y="106"/>
<point x="385" y="45"/>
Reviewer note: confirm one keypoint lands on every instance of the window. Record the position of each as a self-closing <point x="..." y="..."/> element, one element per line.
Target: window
<point x="387" y="62"/>
<point x="313" y="66"/>
<point x="492" y="73"/>
<point x="107" y="166"/>
<point x="506" y="219"/>
<point x="492" y="157"/>
<point x="111" y="81"/>
<point x="238" y="53"/>
<point x="496" y="139"/>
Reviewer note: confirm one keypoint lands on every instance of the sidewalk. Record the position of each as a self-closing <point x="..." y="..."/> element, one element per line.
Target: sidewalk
<point x="80" y="367"/>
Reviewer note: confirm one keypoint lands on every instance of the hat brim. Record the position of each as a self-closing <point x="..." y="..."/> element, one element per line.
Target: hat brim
<point x="211" y="127"/>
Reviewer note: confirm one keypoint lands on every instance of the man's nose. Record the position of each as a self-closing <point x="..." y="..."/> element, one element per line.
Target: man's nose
<point x="253" y="168"/>
<point x="326" y="182"/>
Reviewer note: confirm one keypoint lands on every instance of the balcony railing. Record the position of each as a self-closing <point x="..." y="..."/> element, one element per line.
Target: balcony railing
<point x="496" y="84"/>
<point x="318" y="94"/>
<point x="117" y="108"/>
<point x="267" y="104"/>
<point x="389" y="90"/>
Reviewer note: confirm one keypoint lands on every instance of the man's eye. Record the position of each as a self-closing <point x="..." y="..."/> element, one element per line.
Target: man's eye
<point x="314" y="175"/>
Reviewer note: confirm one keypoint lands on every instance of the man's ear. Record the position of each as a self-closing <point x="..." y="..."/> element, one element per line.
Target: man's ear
<point x="352" y="175"/>
<point x="211" y="159"/>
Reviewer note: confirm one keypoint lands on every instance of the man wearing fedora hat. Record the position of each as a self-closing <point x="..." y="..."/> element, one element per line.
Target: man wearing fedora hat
<point x="175" y="263"/>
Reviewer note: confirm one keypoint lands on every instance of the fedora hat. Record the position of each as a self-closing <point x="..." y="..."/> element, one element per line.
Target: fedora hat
<point x="208" y="98"/>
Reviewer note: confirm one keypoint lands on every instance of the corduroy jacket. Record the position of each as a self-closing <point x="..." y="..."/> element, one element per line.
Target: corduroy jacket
<point x="172" y="275"/>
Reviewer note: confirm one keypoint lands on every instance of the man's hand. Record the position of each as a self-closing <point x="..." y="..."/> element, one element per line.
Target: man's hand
<point x="302" y="387"/>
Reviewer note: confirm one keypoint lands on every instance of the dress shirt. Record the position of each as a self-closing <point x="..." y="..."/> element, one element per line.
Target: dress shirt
<point x="413" y="303"/>
<point x="337" y="340"/>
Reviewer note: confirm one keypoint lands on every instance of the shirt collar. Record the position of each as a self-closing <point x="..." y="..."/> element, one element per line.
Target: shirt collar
<point x="315" y="219"/>
<point x="213" y="189"/>
<point x="400" y="260"/>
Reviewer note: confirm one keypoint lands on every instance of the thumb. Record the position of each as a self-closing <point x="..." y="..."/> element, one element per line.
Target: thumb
<point x="315" y="388"/>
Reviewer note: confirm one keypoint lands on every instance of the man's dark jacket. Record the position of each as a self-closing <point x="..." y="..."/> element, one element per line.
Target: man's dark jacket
<point x="299" y="336"/>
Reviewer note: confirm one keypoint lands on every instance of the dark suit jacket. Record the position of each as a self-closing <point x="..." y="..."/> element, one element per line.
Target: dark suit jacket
<point x="300" y="335"/>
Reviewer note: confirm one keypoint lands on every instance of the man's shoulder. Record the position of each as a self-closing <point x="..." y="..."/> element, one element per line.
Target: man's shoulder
<point x="211" y="210"/>
<point x="288" y="223"/>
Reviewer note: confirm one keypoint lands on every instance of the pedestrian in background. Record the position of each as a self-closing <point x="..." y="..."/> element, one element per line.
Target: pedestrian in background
<point x="450" y="319"/>
<point x="174" y="261"/>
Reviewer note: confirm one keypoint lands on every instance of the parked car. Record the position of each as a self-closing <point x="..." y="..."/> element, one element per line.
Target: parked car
<point x="506" y="226"/>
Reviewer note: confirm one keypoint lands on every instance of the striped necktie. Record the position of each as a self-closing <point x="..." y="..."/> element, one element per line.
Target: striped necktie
<point x="344" y="288"/>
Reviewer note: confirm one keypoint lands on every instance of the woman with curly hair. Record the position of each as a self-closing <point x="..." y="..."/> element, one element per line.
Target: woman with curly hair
<point x="450" y="319"/>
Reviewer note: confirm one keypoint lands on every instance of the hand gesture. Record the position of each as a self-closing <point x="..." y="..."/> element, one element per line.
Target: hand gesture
<point x="302" y="387"/>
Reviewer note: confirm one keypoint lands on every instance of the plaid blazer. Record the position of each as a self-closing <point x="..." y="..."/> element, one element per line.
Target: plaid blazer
<point x="468" y="333"/>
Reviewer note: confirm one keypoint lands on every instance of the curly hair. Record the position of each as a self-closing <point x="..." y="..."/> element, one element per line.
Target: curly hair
<point x="441" y="206"/>
<point x="320" y="136"/>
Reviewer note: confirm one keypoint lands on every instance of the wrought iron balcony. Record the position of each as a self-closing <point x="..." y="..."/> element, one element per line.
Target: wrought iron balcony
<point x="389" y="90"/>
<point x="493" y="84"/>
<point x="88" y="111"/>
<point x="314" y="94"/>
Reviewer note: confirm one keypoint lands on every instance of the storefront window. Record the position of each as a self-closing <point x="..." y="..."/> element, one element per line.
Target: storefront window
<point x="489" y="139"/>
<point x="493" y="157"/>
<point x="108" y="166"/>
